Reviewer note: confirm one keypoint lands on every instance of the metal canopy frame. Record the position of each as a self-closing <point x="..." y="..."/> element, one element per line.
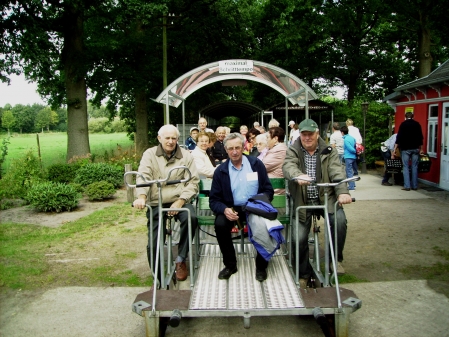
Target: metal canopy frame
<point x="291" y="87"/>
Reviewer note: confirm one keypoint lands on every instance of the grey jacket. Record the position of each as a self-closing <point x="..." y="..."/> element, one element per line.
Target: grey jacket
<point x="328" y="168"/>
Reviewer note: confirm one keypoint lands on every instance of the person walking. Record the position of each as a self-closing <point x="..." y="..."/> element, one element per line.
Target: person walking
<point x="388" y="149"/>
<point x="349" y="155"/>
<point x="336" y="140"/>
<point x="410" y="141"/>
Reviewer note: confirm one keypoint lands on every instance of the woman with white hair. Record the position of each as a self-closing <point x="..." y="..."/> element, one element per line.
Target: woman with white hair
<point x="261" y="143"/>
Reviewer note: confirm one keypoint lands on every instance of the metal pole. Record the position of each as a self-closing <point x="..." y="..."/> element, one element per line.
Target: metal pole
<point x="164" y="61"/>
<point x="364" y="109"/>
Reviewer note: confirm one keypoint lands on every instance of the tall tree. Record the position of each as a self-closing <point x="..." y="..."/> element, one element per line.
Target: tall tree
<point x="45" y="40"/>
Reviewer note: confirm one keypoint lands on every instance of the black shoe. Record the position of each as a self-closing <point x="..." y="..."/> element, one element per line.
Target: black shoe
<point x="261" y="275"/>
<point x="386" y="183"/>
<point x="226" y="273"/>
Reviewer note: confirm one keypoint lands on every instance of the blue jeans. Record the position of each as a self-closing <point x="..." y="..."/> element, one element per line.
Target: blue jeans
<point x="414" y="156"/>
<point x="305" y="269"/>
<point x="350" y="163"/>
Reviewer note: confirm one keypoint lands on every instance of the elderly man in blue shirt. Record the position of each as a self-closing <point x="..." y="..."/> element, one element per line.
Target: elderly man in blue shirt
<point x="235" y="181"/>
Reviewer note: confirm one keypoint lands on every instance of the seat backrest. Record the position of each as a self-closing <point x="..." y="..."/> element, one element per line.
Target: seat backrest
<point x="205" y="186"/>
<point x="277" y="182"/>
<point x="203" y="203"/>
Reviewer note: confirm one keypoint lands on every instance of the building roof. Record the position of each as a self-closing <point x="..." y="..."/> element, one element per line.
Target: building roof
<point x="439" y="75"/>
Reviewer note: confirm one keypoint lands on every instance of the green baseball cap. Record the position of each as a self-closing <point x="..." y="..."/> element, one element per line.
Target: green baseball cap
<point x="308" y="125"/>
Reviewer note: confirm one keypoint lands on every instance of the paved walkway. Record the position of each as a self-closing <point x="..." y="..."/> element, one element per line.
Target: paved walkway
<point x="402" y="308"/>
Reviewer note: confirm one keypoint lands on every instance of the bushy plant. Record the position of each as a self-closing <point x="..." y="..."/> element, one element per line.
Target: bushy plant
<point x="95" y="172"/>
<point x="62" y="173"/>
<point x="3" y="152"/>
<point x="53" y="197"/>
<point x="118" y="125"/>
<point x="21" y="175"/>
<point x="100" y="190"/>
<point x="98" y="124"/>
<point x="78" y="187"/>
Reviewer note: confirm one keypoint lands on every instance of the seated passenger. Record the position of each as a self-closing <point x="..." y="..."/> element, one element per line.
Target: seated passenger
<point x="275" y="157"/>
<point x="191" y="140"/>
<point x="203" y="163"/>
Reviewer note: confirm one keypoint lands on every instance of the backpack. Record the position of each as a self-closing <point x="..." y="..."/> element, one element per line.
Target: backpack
<point x="260" y="205"/>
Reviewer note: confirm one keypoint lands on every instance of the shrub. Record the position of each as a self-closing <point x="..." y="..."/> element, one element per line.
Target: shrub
<point x="98" y="124"/>
<point x="50" y="196"/>
<point x="78" y="187"/>
<point x="62" y="173"/>
<point x="100" y="190"/>
<point x="21" y="175"/>
<point x="94" y="172"/>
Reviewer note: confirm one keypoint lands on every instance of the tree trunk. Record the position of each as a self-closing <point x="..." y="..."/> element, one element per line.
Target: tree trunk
<point x="424" y="55"/>
<point x="141" y="122"/>
<point x="352" y="85"/>
<point x="75" y="83"/>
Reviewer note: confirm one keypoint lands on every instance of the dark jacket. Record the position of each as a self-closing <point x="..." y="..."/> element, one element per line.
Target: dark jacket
<point x="410" y="135"/>
<point x="219" y="151"/>
<point x="328" y="168"/>
<point x="221" y="194"/>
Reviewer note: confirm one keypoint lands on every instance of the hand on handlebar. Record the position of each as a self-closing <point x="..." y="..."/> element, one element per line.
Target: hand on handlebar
<point x="304" y="179"/>
<point x="139" y="203"/>
<point x="344" y="199"/>
<point x="177" y="204"/>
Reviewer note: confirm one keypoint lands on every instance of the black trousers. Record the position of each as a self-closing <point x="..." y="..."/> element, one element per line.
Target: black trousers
<point x="223" y="229"/>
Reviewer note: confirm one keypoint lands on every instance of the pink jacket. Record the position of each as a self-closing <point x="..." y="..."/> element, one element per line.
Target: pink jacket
<point x="273" y="161"/>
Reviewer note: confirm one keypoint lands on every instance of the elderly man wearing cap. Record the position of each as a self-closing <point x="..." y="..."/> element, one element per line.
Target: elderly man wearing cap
<point x="311" y="158"/>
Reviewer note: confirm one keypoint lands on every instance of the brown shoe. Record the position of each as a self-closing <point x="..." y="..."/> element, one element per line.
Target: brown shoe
<point x="406" y="189"/>
<point x="181" y="271"/>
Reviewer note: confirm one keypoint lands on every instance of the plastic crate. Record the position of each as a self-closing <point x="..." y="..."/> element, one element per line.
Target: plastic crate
<point x="424" y="163"/>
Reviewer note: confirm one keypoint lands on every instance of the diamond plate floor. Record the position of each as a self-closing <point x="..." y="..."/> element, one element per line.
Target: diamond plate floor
<point x="242" y="290"/>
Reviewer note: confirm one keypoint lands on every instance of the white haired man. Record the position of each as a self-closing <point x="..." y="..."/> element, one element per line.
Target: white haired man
<point x="155" y="164"/>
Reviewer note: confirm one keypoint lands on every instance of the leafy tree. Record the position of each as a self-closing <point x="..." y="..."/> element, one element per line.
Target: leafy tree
<point x="8" y="120"/>
<point x="24" y="117"/>
<point x="45" y="118"/>
<point x="46" y="41"/>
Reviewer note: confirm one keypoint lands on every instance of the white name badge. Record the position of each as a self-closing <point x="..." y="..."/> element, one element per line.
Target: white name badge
<point x="251" y="176"/>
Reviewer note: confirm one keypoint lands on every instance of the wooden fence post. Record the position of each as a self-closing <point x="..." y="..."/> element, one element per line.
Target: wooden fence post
<point x="129" y="190"/>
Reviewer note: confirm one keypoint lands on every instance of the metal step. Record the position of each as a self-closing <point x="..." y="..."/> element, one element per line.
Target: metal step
<point x="242" y="290"/>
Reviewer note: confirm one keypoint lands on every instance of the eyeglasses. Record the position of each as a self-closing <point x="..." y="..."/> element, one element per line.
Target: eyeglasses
<point x="236" y="148"/>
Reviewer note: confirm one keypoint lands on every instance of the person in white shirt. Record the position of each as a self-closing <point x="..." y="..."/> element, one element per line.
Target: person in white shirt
<point x="353" y="131"/>
<point x="202" y="161"/>
<point x="336" y="140"/>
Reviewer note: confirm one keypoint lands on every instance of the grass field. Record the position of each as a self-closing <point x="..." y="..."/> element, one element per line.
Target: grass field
<point x="54" y="146"/>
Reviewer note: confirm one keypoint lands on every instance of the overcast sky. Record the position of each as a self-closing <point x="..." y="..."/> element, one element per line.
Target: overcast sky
<point x="19" y="92"/>
<point x="22" y="92"/>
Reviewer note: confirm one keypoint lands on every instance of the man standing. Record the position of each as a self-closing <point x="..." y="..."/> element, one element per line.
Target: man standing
<point x="336" y="140"/>
<point x="409" y="140"/>
<point x="310" y="158"/>
<point x="155" y="164"/>
<point x="349" y="155"/>
<point x="235" y="181"/>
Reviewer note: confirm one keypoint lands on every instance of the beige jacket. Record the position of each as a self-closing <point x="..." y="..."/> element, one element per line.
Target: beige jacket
<point x="203" y="163"/>
<point x="154" y="166"/>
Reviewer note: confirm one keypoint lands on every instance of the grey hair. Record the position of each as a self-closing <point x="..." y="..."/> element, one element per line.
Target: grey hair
<point x="166" y="128"/>
<point x="273" y="123"/>
<point x="232" y="136"/>
<point x="262" y="138"/>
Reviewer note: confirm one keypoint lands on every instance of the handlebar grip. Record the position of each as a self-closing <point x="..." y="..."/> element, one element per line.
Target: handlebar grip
<point x="336" y="180"/>
<point x="173" y="182"/>
<point x="143" y="185"/>
<point x="353" y="199"/>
